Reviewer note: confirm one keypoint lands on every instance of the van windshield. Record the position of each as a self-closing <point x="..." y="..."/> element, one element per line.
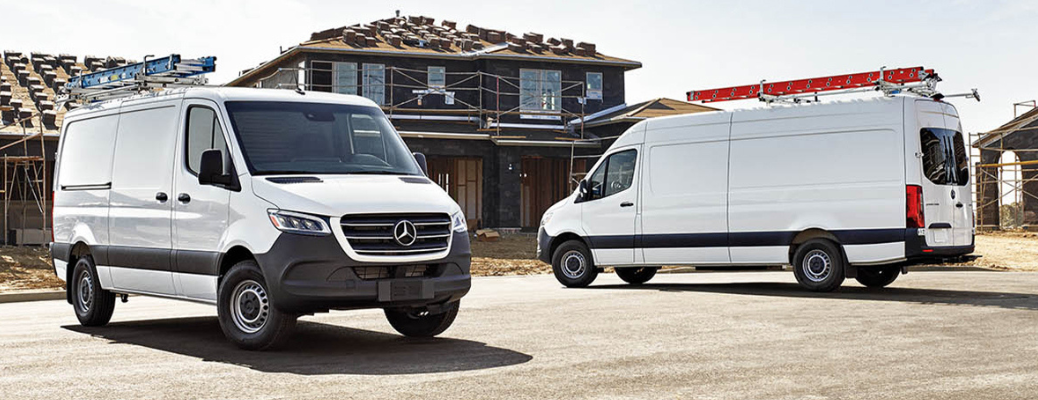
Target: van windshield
<point x="944" y="157"/>
<point x="315" y="138"/>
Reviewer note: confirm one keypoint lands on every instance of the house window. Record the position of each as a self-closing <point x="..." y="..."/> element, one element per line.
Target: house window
<point x="374" y="81"/>
<point x="540" y="90"/>
<point x="437" y="77"/>
<point x="594" y="85"/>
<point x="344" y="78"/>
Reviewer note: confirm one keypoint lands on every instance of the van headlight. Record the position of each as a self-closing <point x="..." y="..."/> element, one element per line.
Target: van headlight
<point x="292" y="222"/>
<point x="547" y="218"/>
<point x="458" y="221"/>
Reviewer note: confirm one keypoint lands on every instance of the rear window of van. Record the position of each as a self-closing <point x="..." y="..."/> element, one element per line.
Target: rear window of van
<point x="945" y="161"/>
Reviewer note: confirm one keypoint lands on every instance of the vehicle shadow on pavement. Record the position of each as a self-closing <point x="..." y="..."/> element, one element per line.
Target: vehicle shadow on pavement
<point x="314" y="349"/>
<point x="1016" y="301"/>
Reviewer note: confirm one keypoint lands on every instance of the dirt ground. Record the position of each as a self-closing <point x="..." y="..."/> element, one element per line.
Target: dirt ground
<point x="23" y="268"/>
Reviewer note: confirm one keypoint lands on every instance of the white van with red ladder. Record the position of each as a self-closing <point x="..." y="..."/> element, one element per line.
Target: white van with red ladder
<point x="855" y="189"/>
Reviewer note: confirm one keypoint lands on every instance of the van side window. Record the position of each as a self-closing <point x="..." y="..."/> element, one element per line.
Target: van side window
<point x="203" y="133"/>
<point x="945" y="161"/>
<point x="615" y="175"/>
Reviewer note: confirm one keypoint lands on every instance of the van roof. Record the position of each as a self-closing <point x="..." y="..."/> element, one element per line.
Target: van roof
<point x="634" y="135"/>
<point x="222" y="93"/>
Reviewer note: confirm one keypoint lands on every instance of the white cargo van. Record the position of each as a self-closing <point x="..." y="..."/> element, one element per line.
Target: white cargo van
<point x="847" y="189"/>
<point x="268" y="204"/>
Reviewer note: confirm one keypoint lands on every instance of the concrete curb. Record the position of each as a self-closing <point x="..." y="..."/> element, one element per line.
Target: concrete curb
<point x="32" y="295"/>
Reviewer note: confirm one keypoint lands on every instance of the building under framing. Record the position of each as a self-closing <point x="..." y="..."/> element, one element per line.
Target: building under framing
<point x="30" y="122"/>
<point x="508" y="122"/>
<point x="1004" y="184"/>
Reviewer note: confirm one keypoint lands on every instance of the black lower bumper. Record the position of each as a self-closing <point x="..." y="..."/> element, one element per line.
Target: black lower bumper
<point x="916" y="248"/>
<point x="311" y="274"/>
<point x="544" y="246"/>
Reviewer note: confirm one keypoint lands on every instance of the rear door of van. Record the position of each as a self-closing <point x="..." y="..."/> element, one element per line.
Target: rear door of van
<point x="947" y="208"/>
<point x="141" y="201"/>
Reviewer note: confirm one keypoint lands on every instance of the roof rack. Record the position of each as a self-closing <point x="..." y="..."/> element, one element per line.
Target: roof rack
<point x="915" y="80"/>
<point x="166" y="72"/>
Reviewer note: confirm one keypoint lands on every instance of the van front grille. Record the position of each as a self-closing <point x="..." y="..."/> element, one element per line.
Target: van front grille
<point x="402" y="271"/>
<point x="373" y="234"/>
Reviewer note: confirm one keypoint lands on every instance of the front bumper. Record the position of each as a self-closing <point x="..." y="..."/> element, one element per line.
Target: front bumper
<point x="917" y="250"/>
<point x="312" y="273"/>
<point x="544" y="246"/>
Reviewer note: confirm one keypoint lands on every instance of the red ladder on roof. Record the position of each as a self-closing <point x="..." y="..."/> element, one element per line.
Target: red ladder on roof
<point x="762" y="90"/>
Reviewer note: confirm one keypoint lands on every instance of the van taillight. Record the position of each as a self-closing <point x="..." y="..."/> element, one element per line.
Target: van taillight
<point x="914" y="206"/>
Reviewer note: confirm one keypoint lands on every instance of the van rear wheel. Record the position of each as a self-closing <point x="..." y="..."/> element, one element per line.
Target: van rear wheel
<point x="637" y="275"/>
<point x="819" y="265"/>
<point x="94" y="306"/>
<point x="246" y="314"/>
<point x="877" y="277"/>
<point x="572" y="264"/>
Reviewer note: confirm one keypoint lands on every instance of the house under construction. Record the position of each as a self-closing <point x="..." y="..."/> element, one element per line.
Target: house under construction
<point x="509" y="122"/>
<point x="30" y="122"/>
<point x="1006" y="173"/>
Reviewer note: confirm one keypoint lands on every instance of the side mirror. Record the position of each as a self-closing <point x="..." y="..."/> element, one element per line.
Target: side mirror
<point x="422" y="163"/>
<point x="582" y="190"/>
<point x="210" y="169"/>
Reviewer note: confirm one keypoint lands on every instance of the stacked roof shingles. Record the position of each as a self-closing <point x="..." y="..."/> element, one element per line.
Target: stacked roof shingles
<point x="29" y="86"/>
<point x="420" y="34"/>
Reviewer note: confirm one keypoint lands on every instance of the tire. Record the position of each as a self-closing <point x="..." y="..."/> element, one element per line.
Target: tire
<point x="93" y="305"/>
<point x="819" y="265"/>
<point x="418" y="323"/>
<point x="247" y="316"/>
<point x="573" y="265"/>
<point x="638" y="275"/>
<point x="877" y="277"/>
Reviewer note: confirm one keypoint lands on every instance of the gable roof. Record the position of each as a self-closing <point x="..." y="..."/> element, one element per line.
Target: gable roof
<point x="419" y="36"/>
<point x="660" y="107"/>
<point x="1027" y="121"/>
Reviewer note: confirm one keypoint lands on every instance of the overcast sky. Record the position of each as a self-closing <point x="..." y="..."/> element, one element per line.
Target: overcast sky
<point x="683" y="45"/>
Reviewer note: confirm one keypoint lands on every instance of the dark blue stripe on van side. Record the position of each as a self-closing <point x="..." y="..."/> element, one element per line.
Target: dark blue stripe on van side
<point x="739" y="239"/>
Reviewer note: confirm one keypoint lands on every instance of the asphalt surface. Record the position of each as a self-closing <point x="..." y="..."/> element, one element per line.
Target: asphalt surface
<point x="752" y="335"/>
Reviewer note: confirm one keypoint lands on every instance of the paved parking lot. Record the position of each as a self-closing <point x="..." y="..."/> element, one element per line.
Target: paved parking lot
<point x="746" y="335"/>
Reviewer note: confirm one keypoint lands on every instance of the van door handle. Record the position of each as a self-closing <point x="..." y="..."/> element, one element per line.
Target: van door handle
<point x="161" y="197"/>
<point x="626" y="204"/>
<point x="184" y="198"/>
<point x="959" y="205"/>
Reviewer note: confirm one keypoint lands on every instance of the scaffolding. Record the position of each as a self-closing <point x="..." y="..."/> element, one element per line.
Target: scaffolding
<point x="1001" y="184"/>
<point x="25" y="176"/>
<point x="480" y="95"/>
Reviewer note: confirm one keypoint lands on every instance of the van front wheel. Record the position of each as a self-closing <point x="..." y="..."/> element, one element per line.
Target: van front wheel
<point x="819" y="265"/>
<point x="877" y="277"/>
<point x="420" y="323"/>
<point x="637" y="275"/>
<point x="246" y="314"/>
<point x="572" y="264"/>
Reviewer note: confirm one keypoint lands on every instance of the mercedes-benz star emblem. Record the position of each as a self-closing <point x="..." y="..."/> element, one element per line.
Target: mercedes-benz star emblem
<point x="405" y="233"/>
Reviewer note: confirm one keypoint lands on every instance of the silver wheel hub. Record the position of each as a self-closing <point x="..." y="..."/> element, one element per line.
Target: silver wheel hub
<point x="85" y="292"/>
<point x="250" y="306"/>
<point x="573" y="264"/>
<point x="817" y="266"/>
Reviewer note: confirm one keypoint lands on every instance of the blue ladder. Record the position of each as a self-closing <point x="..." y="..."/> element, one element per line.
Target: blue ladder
<point x="171" y="66"/>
